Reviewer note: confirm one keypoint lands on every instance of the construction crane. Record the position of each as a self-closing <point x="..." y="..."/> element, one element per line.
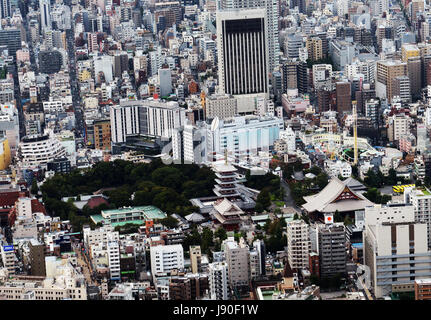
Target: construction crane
<point x="355" y="133"/>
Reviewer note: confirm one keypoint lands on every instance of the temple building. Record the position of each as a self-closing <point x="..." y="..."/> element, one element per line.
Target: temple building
<point x="228" y="185"/>
<point x="226" y="214"/>
<point x="341" y="196"/>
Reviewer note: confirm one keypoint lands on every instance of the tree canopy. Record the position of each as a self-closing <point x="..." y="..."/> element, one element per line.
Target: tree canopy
<point x="129" y="184"/>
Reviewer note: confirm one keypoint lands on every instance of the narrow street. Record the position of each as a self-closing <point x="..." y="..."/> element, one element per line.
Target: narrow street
<point x="287" y="197"/>
<point x="363" y="281"/>
<point x="86" y="267"/>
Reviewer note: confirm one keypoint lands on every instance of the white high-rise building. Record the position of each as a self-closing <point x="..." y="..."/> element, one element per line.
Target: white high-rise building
<point x="164" y="259"/>
<point x="45" y="14"/>
<point x="292" y="45"/>
<point x="243" y="136"/>
<point x="160" y="118"/>
<point x="400" y="126"/>
<point x="395" y="248"/>
<point x="124" y="120"/>
<point x="428" y="114"/>
<point x="8" y="258"/>
<point x="421" y="201"/>
<point x="289" y="136"/>
<point x="38" y="150"/>
<point x="298" y="244"/>
<point x="342" y="7"/>
<point x="114" y="259"/>
<point x="238" y="261"/>
<point x="218" y="280"/>
<point x="102" y="234"/>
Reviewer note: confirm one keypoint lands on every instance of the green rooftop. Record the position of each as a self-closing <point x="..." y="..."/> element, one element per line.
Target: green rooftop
<point x="150" y="212"/>
<point x="135" y="215"/>
<point x="97" y="218"/>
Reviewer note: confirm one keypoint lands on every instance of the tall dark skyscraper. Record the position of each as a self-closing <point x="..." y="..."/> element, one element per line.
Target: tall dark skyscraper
<point x="12" y="39"/>
<point x="5" y="9"/>
<point x="242" y="51"/>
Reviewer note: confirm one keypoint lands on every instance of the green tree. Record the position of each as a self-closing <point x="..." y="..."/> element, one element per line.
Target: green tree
<point x="338" y="217"/>
<point x="392" y="177"/>
<point x="298" y="166"/>
<point x="355" y="171"/>
<point x="221" y="233"/>
<point x="322" y="180"/>
<point x="207" y="239"/>
<point x="264" y="198"/>
<point x="315" y="170"/>
<point x="169" y="222"/>
<point x="34" y="188"/>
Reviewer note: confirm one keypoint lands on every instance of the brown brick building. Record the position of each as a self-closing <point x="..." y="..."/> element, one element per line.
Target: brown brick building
<point x="191" y="287"/>
<point x="344" y="96"/>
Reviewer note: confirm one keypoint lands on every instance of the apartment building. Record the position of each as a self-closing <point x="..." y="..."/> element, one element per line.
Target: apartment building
<point x="421" y="201"/>
<point x="195" y="258"/>
<point x="8" y="258"/>
<point x="238" y="261"/>
<point x="423" y="289"/>
<point x="395" y="248"/>
<point x="332" y="249"/>
<point x="188" y="287"/>
<point x="314" y="48"/>
<point x="387" y="71"/>
<point x="399" y="125"/>
<point x="220" y="105"/>
<point x="219" y="281"/>
<point x="164" y="259"/>
<point x="114" y="259"/>
<point x="298" y="244"/>
<point x="38" y="150"/>
<point x="47" y="289"/>
<point x="99" y="235"/>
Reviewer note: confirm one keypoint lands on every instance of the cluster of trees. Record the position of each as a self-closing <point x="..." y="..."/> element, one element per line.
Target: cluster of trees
<point x="374" y="195"/>
<point x="268" y="184"/>
<point x="3" y="72"/>
<point x="275" y="240"/>
<point x="269" y="180"/>
<point x="208" y="241"/>
<point x="307" y="187"/>
<point x="378" y="180"/>
<point x="166" y="187"/>
<point x="289" y="169"/>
